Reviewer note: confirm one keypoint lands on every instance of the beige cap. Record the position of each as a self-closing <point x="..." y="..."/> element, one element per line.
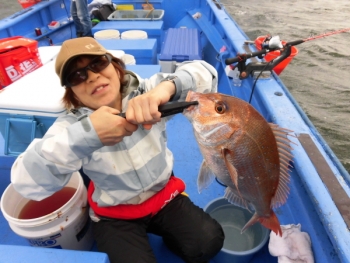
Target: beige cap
<point x="76" y="47"/>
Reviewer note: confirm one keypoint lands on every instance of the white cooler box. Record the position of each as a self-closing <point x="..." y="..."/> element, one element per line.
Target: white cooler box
<point x="28" y="107"/>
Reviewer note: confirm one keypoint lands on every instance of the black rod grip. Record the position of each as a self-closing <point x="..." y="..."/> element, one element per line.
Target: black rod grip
<point x="239" y="57"/>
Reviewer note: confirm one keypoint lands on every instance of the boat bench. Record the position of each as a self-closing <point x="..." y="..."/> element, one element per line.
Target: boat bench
<point x="153" y="29"/>
<point x="144" y="50"/>
<point x="16" y="254"/>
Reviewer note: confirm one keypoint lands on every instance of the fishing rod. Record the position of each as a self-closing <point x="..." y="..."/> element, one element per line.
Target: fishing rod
<point x="327" y="34"/>
<point x="271" y="44"/>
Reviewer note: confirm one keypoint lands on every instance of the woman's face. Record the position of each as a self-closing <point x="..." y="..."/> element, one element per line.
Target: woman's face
<point x="99" y="89"/>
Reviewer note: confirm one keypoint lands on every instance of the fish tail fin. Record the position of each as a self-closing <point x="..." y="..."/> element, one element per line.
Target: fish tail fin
<point x="271" y="223"/>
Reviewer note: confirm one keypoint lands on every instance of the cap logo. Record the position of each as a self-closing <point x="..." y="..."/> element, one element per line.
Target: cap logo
<point x="89" y="46"/>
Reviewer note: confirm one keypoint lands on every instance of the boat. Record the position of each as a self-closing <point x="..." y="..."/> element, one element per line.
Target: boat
<point x="319" y="188"/>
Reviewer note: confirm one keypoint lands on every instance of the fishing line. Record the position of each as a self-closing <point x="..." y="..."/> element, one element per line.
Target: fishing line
<point x="220" y="183"/>
<point x="327" y="34"/>
<point x="256" y="79"/>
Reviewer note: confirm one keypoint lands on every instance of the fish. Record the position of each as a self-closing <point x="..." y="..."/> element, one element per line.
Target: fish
<point x="247" y="154"/>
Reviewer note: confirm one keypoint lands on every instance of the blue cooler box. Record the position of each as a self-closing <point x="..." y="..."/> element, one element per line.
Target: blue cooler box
<point x="28" y="107"/>
<point x="180" y="44"/>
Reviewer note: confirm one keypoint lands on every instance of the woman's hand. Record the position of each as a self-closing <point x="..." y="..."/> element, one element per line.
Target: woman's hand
<point x="143" y="109"/>
<point x="111" y="128"/>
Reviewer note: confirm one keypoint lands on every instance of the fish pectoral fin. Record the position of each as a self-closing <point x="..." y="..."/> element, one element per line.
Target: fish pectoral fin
<point x="205" y="177"/>
<point x="231" y="196"/>
<point x="228" y="156"/>
<point x="285" y="157"/>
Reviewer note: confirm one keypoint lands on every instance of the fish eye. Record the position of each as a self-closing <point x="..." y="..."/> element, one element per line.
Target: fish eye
<point x="220" y="107"/>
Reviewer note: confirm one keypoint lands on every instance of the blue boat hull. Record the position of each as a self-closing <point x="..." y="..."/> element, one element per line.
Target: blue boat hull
<point x="310" y="202"/>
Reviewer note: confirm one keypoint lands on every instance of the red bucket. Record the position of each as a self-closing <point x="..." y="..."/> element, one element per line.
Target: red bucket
<point x="28" y="3"/>
<point x="274" y="54"/>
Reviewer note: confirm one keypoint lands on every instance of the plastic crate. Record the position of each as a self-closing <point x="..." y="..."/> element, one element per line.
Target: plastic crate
<point x="137" y="15"/>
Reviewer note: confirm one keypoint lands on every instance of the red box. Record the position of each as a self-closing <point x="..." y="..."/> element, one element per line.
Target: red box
<point x="28" y="3"/>
<point x="18" y="57"/>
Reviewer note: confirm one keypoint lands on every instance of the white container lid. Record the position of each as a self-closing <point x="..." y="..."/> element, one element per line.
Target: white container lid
<point x="38" y="93"/>
<point x="48" y="53"/>
<point x="134" y="34"/>
<point x="107" y="34"/>
<point x="117" y="53"/>
<point x="129" y="59"/>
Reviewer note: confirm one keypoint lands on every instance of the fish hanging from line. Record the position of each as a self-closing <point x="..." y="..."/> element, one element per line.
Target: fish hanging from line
<point x="245" y="152"/>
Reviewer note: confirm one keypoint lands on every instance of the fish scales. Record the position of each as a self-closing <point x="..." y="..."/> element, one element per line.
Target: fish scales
<point x="245" y="152"/>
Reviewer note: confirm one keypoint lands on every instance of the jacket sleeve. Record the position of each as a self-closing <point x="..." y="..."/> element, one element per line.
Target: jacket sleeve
<point x="195" y="75"/>
<point x="48" y="163"/>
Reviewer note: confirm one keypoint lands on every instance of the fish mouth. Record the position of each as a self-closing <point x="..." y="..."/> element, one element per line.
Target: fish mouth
<point x="189" y="96"/>
<point x="189" y="109"/>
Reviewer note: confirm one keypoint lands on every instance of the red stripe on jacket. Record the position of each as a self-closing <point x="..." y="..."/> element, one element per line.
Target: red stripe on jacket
<point x="151" y="206"/>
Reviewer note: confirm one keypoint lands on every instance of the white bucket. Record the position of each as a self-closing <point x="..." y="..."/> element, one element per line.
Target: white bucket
<point x="107" y="34"/>
<point x="117" y="53"/>
<point x="68" y="227"/>
<point x="129" y="59"/>
<point x="134" y="34"/>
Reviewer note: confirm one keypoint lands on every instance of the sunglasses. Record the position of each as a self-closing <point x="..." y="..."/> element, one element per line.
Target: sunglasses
<point x="80" y="75"/>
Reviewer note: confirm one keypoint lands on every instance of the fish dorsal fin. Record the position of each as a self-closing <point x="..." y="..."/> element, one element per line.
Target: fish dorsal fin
<point x="205" y="177"/>
<point x="285" y="156"/>
<point x="237" y="200"/>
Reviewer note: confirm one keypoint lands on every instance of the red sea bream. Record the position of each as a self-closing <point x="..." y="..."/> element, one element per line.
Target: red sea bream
<point x="245" y="152"/>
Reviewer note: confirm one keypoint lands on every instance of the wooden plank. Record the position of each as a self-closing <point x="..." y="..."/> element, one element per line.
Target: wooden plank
<point x="338" y="194"/>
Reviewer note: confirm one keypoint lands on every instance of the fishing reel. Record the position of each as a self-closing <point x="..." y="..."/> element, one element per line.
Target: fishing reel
<point x="269" y="44"/>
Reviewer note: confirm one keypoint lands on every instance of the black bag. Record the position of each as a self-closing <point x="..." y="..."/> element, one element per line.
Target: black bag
<point x="103" y="12"/>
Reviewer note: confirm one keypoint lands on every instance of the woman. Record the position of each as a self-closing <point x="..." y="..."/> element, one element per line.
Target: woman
<point x="132" y="190"/>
